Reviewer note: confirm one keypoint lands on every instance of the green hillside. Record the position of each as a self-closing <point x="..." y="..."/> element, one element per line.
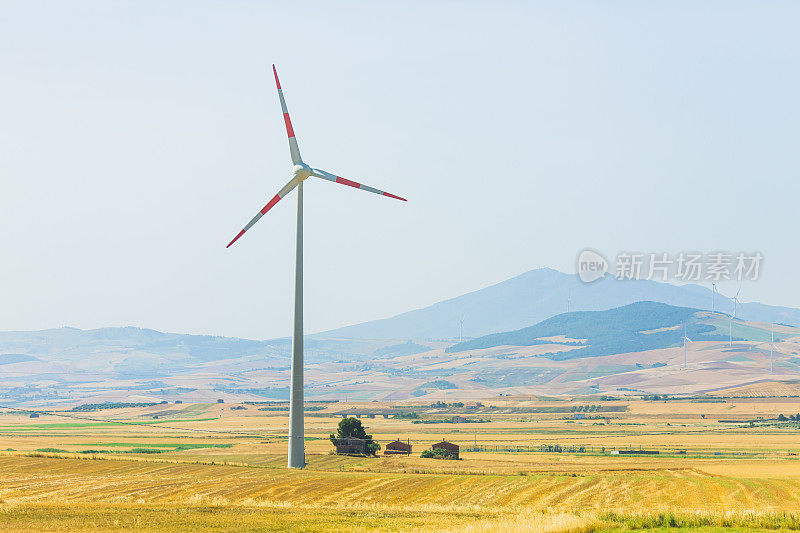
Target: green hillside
<point x="621" y="330"/>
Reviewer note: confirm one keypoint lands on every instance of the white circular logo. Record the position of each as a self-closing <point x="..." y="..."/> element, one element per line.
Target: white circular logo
<point x="591" y="266"/>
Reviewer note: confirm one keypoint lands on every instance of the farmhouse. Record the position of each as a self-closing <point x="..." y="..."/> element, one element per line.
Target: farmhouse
<point x="398" y="447"/>
<point x="447" y="446"/>
<point x="351" y="446"/>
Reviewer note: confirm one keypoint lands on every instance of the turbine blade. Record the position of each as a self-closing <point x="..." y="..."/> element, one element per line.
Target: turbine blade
<point x="275" y="199"/>
<point x="294" y="150"/>
<point x="337" y="179"/>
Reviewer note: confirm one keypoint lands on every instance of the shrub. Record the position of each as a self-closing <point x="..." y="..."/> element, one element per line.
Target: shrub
<point x="437" y="453"/>
<point x="145" y="450"/>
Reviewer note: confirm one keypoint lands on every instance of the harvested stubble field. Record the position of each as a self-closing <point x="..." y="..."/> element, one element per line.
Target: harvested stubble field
<point x="224" y="470"/>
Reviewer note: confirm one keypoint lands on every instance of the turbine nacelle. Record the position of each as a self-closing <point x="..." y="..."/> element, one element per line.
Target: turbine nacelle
<point x="301" y="171"/>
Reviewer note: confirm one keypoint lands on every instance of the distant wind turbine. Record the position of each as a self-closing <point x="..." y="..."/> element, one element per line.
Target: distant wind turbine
<point x="730" y="330"/>
<point x="732" y="317"/>
<point x="713" y="290"/>
<point x="685" y="338"/>
<point x="300" y="172"/>
<point x="771" y="346"/>
<point x="461" y="337"/>
<point x="569" y="299"/>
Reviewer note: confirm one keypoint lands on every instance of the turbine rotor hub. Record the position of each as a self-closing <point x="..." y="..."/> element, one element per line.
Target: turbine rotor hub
<point x="301" y="171"/>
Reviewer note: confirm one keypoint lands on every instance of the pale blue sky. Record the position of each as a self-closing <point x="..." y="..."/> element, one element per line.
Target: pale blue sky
<point x="137" y="138"/>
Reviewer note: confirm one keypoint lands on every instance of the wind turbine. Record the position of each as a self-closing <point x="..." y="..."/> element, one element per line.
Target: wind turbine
<point x="300" y="172"/>
<point x="733" y="316"/>
<point x="730" y="331"/>
<point x="713" y="290"/>
<point x="569" y="299"/>
<point x="771" y="346"/>
<point x="461" y="338"/>
<point x="685" y="338"/>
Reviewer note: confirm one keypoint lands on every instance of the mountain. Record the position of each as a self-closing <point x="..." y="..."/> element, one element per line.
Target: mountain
<point x="130" y="348"/>
<point x="637" y="327"/>
<point x="538" y="295"/>
<point x="143" y="365"/>
<point x="636" y="347"/>
<point x="76" y="344"/>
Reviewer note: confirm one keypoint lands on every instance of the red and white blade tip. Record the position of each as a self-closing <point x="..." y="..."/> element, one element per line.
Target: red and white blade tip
<point x="277" y="81"/>
<point x="270" y="205"/>
<point x="235" y="238"/>
<point x="356" y="185"/>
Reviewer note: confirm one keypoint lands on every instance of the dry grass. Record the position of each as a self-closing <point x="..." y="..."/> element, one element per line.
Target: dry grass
<point x="246" y="487"/>
<point x="170" y="518"/>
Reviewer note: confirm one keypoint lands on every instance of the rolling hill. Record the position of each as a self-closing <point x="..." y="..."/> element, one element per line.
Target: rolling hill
<point x="637" y="327"/>
<point x="632" y="349"/>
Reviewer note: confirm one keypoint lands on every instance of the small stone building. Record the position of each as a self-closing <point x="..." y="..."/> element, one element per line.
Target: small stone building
<point x="448" y="446"/>
<point x="397" y="447"/>
<point x="351" y="446"/>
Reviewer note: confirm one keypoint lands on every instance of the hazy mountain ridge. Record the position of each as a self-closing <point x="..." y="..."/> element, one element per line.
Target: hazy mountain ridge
<point x="539" y="294"/>
<point x="70" y="343"/>
<point x="633" y="348"/>
<point x="632" y="344"/>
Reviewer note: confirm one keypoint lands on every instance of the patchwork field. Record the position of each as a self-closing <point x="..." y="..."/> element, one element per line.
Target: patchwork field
<point x="527" y="465"/>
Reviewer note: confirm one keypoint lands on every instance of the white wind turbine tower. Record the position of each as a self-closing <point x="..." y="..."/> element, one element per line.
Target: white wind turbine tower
<point x="685" y="338"/>
<point x="733" y="316"/>
<point x="300" y="172"/>
<point x="461" y="337"/>
<point x="730" y="330"/>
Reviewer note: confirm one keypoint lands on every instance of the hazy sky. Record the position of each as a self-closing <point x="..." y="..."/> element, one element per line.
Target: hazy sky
<point x="137" y="138"/>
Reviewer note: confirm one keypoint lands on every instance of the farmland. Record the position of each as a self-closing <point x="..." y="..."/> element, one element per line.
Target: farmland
<point x="721" y="462"/>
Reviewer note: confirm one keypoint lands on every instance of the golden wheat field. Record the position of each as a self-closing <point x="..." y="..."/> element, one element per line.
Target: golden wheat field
<point x="528" y="465"/>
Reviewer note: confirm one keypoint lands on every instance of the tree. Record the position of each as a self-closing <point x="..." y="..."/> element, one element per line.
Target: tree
<point x="782" y="418"/>
<point x="351" y="428"/>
